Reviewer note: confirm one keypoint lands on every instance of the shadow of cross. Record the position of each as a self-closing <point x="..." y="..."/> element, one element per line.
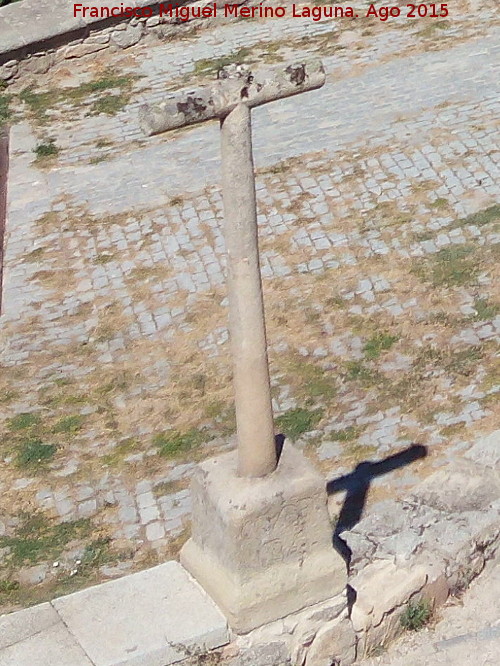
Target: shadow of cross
<point x="357" y="484"/>
<point x="230" y="99"/>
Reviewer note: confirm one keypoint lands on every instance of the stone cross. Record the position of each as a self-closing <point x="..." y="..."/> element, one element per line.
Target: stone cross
<point x="230" y="99"/>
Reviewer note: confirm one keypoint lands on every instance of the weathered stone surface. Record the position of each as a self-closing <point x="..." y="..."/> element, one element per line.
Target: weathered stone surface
<point x="17" y="627"/>
<point x="462" y="487"/>
<point x="335" y="643"/>
<point x="33" y="575"/>
<point x="437" y="588"/>
<point x="360" y="618"/>
<point x="38" y="65"/>
<point x="257" y="454"/>
<point x="262" y="547"/>
<point x="80" y="50"/>
<point x="128" y="37"/>
<point x="219" y="100"/>
<point x="8" y="70"/>
<point x="272" y="654"/>
<point x="486" y="451"/>
<point x="98" y="38"/>
<point x="463" y="634"/>
<point x="135" y="620"/>
<point x="310" y="623"/>
<point x="51" y="646"/>
<point x="382" y="586"/>
<point x="152" y="21"/>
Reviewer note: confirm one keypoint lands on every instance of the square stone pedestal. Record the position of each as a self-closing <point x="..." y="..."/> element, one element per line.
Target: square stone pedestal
<point x="262" y="548"/>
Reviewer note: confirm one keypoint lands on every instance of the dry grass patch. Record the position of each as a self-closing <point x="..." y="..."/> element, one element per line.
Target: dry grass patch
<point x="108" y="93"/>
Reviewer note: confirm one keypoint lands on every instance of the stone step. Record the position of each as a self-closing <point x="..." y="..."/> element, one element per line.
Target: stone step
<point x="155" y="617"/>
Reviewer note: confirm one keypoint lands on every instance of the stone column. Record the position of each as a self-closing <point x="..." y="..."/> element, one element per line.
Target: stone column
<point x="254" y="418"/>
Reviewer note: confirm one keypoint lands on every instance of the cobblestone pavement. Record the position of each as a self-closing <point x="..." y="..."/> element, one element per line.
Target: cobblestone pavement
<point x="467" y="632"/>
<point x="379" y="248"/>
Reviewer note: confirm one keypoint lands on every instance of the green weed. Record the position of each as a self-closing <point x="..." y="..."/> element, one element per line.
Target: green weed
<point x="109" y="105"/>
<point x="463" y="362"/>
<point x="39" y="103"/>
<point x="481" y="218"/>
<point x="36" y="539"/>
<point x="358" y="371"/>
<point x="34" y="454"/>
<point x="121" y="450"/>
<point x="440" y="203"/>
<point x="207" y="66"/>
<point x="379" y="343"/>
<point x="295" y="422"/>
<point x="5" y="112"/>
<point x="485" y="309"/>
<point x="97" y="553"/>
<point x="45" y="150"/>
<point x="172" y="443"/>
<point x="68" y="424"/>
<point x="169" y="487"/>
<point x="450" y="267"/>
<point x="23" y="421"/>
<point x="346" y="435"/>
<point x="34" y="255"/>
<point x="8" y="396"/>
<point x="310" y="381"/>
<point x="416" y="615"/>
<point x="8" y="586"/>
<point x="99" y="159"/>
<point x="103" y="258"/>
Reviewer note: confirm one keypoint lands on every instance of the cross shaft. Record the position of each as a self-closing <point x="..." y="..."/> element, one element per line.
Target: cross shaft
<point x="230" y="99"/>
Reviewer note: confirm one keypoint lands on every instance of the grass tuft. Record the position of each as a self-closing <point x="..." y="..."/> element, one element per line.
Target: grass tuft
<point x="8" y="586"/>
<point x="379" y="343"/>
<point x="173" y="443"/>
<point x="358" y="371"/>
<point x="69" y="424"/>
<point x="485" y="309"/>
<point x="5" y="112"/>
<point x="450" y="267"/>
<point x="481" y="218"/>
<point x="23" y="421"/>
<point x="47" y="149"/>
<point x="40" y="103"/>
<point x="109" y="105"/>
<point x="416" y="615"/>
<point x="346" y="435"/>
<point x="33" y="453"/>
<point x="296" y="422"/>
<point x="207" y="66"/>
<point x="36" y="539"/>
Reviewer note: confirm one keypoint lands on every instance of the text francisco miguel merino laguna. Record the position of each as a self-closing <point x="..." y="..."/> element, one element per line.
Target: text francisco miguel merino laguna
<point x="185" y="13"/>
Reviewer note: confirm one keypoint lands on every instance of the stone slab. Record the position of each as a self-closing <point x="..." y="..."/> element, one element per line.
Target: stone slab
<point x="17" y="627"/>
<point x="486" y="450"/>
<point x="460" y="487"/>
<point x="37" y="637"/>
<point x="152" y="618"/>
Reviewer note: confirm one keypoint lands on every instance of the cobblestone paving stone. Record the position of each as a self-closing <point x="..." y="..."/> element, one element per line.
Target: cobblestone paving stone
<point x="379" y="248"/>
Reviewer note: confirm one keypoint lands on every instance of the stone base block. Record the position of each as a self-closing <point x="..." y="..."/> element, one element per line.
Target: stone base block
<point x="262" y="548"/>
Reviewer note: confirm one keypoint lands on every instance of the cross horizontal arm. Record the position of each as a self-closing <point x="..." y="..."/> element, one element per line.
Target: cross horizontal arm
<point x="189" y="107"/>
